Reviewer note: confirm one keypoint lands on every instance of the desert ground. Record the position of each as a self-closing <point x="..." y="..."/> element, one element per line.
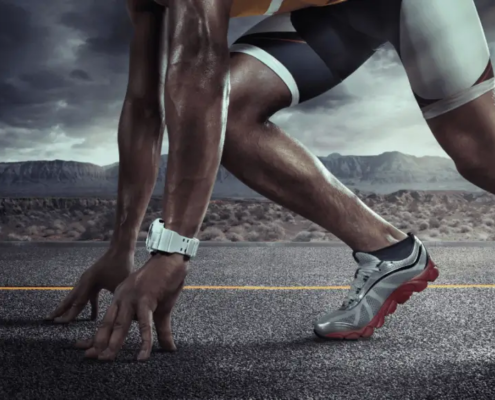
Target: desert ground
<point x="433" y="216"/>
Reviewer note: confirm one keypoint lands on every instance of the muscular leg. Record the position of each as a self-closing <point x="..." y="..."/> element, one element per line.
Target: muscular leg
<point x="467" y="134"/>
<point x="286" y="60"/>
<point x="452" y="79"/>
<point x="269" y="161"/>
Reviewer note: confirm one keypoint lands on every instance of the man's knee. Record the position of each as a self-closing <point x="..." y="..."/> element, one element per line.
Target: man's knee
<point x="467" y="134"/>
<point x="474" y="159"/>
<point x="471" y="169"/>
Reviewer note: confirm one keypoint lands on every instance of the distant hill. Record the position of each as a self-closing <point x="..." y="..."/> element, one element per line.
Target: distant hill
<point x="384" y="173"/>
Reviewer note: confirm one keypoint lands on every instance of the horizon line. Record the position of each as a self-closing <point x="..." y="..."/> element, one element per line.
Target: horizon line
<point x="166" y="154"/>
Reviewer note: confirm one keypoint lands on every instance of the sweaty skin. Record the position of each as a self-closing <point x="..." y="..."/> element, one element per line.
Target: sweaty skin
<point x="197" y="87"/>
<point x="258" y="153"/>
<point x="276" y="163"/>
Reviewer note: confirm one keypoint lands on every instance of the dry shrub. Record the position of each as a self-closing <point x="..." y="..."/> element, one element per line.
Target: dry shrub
<point x="32" y="230"/>
<point x="72" y="234"/>
<point x="434" y="223"/>
<point x="406" y="216"/>
<point x="423" y="226"/>
<point x="240" y="214"/>
<point x="413" y="206"/>
<point x="269" y="217"/>
<point x="76" y="226"/>
<point x="16" y="237"/>
<point x="454" y="223"/>
<point x="222" y="224"/>
<point x="220" y="239"/>
<point x="78" y="214"/>
<point x="317" y="236"/>
<point x="249" y="220"/>
<point x="403" y="225"/>
<point x="233" y="221"/>
<point x="444" y="230"/>
<point x="489" y="222"/>
<point x="303" y="236"/>
<point x="465" y="229"/>
<point x="225" y="215"/>
<point x="58" y="224"/>
<point x="270" y="231"/>
<point x="212" y="217"/>
<point x="288" y="217"/>
<point x="234" y="237"/>
<point x="315" y="228"/>
<point x="247" y="226"/>
<point x="206" y="225"/>
<point x="92" y="233"/>
<point x="253" y="236"/>
<point x="239" y="230"/>
<point x="211" y="233"/>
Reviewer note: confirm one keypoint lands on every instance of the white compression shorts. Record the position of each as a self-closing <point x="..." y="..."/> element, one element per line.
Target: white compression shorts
<point x="441" y="44"/>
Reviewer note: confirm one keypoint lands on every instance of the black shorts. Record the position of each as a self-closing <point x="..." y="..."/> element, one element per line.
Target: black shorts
<point x="441" y="44"/>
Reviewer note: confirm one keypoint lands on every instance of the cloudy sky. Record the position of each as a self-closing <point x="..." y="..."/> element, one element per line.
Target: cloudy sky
<point x="63" y="75"/>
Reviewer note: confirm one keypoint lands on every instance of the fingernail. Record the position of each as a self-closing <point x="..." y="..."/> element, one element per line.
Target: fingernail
<point x="142" y="356"/>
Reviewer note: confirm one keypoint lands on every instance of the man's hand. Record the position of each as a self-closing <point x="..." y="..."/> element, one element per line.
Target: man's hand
<point x="148" y="294"/>
<point x="107" y="273"/>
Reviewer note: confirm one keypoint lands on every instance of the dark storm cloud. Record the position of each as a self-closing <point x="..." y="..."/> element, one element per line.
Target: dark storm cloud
<point x="21" y="37"/>
<point x="64" y="71"/>
<point x="80" y="74"/>
<point x="78" y="95"/>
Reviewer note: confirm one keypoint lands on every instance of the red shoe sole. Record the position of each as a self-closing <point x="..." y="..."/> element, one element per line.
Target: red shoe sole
<point x="399" y="296"/>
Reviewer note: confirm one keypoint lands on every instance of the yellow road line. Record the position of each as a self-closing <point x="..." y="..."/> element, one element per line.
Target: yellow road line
<point x="446" y="286"/>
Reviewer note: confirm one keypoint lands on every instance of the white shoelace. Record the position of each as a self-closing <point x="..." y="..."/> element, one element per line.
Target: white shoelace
<point x="362" y="274"/>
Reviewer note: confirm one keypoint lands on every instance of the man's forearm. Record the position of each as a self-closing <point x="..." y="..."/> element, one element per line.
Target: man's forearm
<point x="196" y="104"/>
<point x="195" y="148"/>
<point x="140" y="141"/>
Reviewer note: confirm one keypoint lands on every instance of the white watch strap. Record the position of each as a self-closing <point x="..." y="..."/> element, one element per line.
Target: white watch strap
<point x="162" y="239"/>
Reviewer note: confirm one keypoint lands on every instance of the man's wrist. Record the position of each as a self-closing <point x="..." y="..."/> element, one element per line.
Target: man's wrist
<point x="170" y="256"/>
<point x="184" y="229"/>
<point x="124" y="240"/>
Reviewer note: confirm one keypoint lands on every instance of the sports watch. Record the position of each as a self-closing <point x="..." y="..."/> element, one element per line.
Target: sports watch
<point x="161" y="239"/>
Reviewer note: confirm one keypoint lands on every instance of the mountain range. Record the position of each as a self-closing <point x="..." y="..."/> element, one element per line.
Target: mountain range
<point x="384" y="173"/>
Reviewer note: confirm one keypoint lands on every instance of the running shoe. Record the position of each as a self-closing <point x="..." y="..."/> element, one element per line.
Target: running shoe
<point x="377" y="289"/>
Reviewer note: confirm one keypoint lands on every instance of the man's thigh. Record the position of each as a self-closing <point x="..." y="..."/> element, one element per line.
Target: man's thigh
<point x="445" y="54"/>
<point x="311" y="50"/>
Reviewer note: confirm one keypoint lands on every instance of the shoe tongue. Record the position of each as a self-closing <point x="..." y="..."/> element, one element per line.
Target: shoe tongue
<point x="365" y="258"/>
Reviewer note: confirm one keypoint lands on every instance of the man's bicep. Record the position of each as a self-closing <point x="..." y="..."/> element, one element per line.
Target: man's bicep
<point x="147" y="56"/>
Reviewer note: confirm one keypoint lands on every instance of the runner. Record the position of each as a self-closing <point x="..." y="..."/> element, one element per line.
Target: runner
<point x="306" y="48"/>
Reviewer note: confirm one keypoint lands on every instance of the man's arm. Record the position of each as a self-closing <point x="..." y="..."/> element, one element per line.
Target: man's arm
<point x="142" y="122"/>
<point x="196" y="102"/>
<point x="140" y="136"/>
<point x="196" y="105"/>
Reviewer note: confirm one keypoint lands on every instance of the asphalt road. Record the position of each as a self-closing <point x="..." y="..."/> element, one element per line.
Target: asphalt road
<point x="256" y="342"/>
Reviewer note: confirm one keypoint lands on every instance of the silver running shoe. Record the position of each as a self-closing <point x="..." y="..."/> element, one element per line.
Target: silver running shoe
<point x="377" y="288"/>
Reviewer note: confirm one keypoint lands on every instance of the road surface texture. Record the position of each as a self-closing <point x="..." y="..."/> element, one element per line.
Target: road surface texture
<point x="243" y="328"/>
